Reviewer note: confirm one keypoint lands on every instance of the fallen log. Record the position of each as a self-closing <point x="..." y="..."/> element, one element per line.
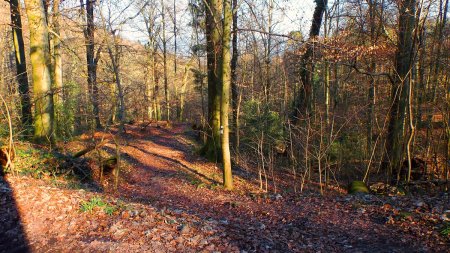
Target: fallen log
<point x="109" y="164"/>
<point x="6" y="156"/>
<point x="89" y="149"/>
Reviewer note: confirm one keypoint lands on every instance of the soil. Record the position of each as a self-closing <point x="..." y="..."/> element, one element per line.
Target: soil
<point x="170" y="200"/>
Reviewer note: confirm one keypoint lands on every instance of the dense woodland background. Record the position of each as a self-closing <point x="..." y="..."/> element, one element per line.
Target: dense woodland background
<point x="361" y="92"/>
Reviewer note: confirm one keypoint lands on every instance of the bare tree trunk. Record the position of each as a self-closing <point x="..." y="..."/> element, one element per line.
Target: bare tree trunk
<point x="175" y="36"/>
<point x="92" y="60"/>
<point x="40" y="63"/>
<point x="395" y="141"/>
<point x="213" y="45"/>
<point x="234" y="84"/>
<point x="371" y="98"/>
<point x="21" y="65"/>
<point x="149" y="20"/>
<point x="114" y="56"/>
<point x="57" y="70"/>
<point x="225" y="97"/>
<point x="440" y="23"/>
<point x="304" y="98"/>
<point x="267" y="53"/>
<point x="164" y="41"/>
<point x="183" y="92"/>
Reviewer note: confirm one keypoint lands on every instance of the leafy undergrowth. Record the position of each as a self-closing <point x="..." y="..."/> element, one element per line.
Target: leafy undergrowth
<point x="170" y="200"/>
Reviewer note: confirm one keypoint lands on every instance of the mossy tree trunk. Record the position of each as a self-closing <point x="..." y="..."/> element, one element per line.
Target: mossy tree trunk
<point x="21" y="65"/>
<point x="213" y="46"/>
<point x="41" y="65"/>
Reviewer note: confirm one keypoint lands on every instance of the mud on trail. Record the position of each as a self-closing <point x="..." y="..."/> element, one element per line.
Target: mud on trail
<point x="170" y="200"/>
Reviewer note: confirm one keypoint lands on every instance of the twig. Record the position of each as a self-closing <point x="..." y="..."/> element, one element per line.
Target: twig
<point x="10" y="152"/>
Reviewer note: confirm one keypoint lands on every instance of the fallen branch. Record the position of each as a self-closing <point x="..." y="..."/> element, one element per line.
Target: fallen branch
<point x="9" y="152"/>
<point x="146" y="125"/>
<point x="89" y="149"/>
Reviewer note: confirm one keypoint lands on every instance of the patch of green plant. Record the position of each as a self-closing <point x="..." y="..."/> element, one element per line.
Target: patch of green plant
<point x="57" y="183"/>
<point x="97" y="202"/>
<point x="35" y="163"/>
<point x="261" y="122"/>
<point x="74" y="185"/>
<point x="214" y="186"/>
<point x="88" y="206"/>
<point x="201" y="185"/>
<point x="348" y="146"/>
<point x="446" y="230"/>
<point x="404" y="215"/>
<point x="109" y="210"/>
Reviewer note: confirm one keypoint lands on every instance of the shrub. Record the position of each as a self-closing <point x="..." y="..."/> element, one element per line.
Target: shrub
<point x="259" y="120"/>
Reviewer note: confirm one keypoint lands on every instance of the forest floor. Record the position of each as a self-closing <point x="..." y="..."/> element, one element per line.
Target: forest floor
<point x="170" y="200"/>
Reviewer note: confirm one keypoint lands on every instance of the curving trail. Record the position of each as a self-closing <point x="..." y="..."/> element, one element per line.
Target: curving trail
<point x="171" y="201"/>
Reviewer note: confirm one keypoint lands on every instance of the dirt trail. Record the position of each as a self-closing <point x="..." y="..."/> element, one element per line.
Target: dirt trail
<point x="169" y="201"/>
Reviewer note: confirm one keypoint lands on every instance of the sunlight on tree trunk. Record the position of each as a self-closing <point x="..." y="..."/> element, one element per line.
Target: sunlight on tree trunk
<point x="40" y="63"/>
<point x="57" y="70"/>
<point x="225" y="98"/>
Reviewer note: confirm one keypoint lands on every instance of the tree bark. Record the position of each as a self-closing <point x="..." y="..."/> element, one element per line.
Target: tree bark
<point x="395" y="142"/>
<point x="21" y="65"/>
<point x="40" y="63"/>
<point x="114" y="56"/>
<point x="213" y="48"/>
<point x="304" y="98"/>
<point x="166" y="82"/>
<point x="56" y="52"/>
<point x="57" y="71"/>
<point x="234" y="84"/>
<point x="92" y="61"/>
<point x="225" y="95"/>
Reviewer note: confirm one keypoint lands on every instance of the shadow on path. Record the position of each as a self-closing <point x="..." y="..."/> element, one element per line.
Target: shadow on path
<point x="12" y="236"/>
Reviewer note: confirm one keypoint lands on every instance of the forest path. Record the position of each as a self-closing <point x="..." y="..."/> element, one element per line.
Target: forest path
<point x="170" y="200"/>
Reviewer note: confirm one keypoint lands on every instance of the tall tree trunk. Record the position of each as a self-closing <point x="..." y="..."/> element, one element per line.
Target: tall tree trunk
<point x="304" y="98"/>
<point x="421" y="84"/>
<point x="57" y="71"/>
<point x="440" y="25"/>
<point x="175" y="36"/>
<point x="40" y="63"/>
<point x="213" y="48"/>
<point x="371" y="97"/>
<point x="166" y="82"/>
<point x="114" y="56"/>
<point x="56" y="50"/>
<point x="92" y="61"/>
<point x="225" y="97"/>
<point x="234" y="84"/>
<point x="153" y="49"/>
<point x="183" y="92"/>
<point x="21" y="65"/>
<point x="267" y="53"/>
<point x="395" y="142"/>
